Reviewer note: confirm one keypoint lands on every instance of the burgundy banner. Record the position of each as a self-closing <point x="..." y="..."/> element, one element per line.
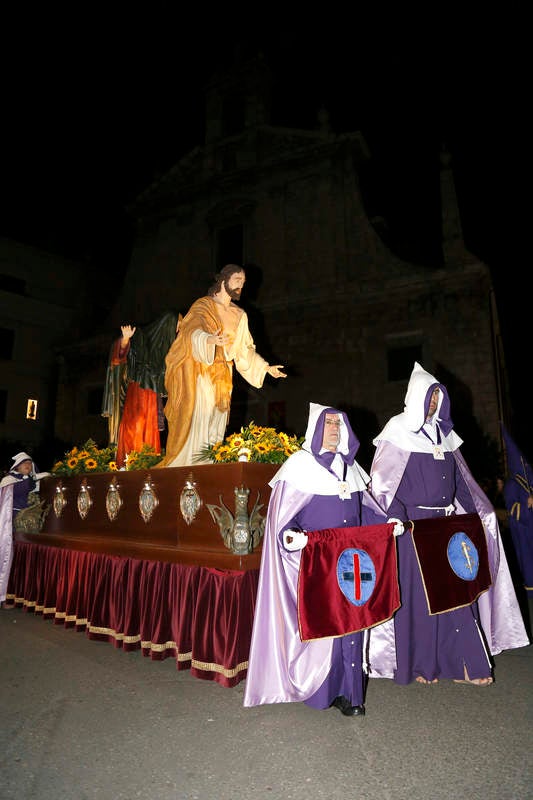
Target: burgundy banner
<point x="453" y="559"/>
<point x="348" y="580"/>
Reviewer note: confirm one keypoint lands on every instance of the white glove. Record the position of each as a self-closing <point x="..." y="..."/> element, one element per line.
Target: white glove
<point x="398" y="526"/>
<point x="294" y="540"/>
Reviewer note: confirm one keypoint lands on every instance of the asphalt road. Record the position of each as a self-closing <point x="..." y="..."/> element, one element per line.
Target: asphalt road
<point x="83" y="720"/>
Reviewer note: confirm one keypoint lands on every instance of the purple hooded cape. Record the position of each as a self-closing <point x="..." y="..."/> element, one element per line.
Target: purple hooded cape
<point x="14" y="490"/>
<point x="282" y="668"/>
<point x="402" y="437"/>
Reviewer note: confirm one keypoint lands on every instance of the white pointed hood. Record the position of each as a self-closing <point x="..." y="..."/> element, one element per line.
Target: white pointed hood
<point x="403" y="429"/>
<point x="309" y="468"/>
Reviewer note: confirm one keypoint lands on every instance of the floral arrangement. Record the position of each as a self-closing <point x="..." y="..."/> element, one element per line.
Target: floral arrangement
<point x="90" y="458"/>
<point x="87" y="458"/>
<point x="252" y="443"/>
<point x="144" y="458"/>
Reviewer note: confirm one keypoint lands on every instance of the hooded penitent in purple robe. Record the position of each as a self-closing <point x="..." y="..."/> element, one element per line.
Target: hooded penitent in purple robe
<point x="418" y="472"/>
<point x="306" y="496"/>
<point x="517" y="490"/>
<point x="14" y="490"/>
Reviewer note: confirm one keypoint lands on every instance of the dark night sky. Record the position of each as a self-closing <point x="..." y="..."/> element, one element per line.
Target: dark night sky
<point x="96" y="105"/>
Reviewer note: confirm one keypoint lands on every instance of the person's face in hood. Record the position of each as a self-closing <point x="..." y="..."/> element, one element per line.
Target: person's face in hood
<point x="433" y="403"/>
<point x="332" y="432"/>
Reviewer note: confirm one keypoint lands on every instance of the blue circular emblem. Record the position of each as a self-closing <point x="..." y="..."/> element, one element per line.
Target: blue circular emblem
<point x="463" y="556"/>
<point x="356" y="575"/>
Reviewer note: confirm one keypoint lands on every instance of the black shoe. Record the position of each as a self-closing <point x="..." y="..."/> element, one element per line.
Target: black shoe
<point x="348" y="710"/>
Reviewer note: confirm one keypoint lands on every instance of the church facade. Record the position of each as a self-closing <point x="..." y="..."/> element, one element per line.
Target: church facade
<point x="325" y="296"/>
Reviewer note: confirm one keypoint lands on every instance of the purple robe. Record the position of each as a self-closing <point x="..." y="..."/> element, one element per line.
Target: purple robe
<point x="406" y="475"/>
<point x="14" y="491"/>
<point x="518" y="487"/>
<point x="282" y="668"/>
<point x="24" y="484"/>
<point x="521" y="528"/>
<point x="443" y="644"/>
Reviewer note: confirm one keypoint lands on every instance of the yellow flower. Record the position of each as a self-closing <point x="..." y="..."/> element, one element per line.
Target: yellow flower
<point x="144" y="458"/>
<point x="90" y="463"/>
<point x="72" y="462"/>
<point x="222" y="453"/>
<point x="112" y="466"/>
<point x="235" y="441"/>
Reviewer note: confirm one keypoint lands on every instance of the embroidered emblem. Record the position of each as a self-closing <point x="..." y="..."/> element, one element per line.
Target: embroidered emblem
<point x="344" y="490"/>
<point x="463" y="556"/>
<point x="438" y="453"/>
<point x="356" y="575"/>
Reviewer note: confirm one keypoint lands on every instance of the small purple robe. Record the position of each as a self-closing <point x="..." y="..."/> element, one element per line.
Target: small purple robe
<point x="14" y="491"/>
<point x="6" y="537"/>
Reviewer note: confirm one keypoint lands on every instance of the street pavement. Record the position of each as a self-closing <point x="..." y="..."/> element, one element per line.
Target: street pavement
<point x="81" y="719"/>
